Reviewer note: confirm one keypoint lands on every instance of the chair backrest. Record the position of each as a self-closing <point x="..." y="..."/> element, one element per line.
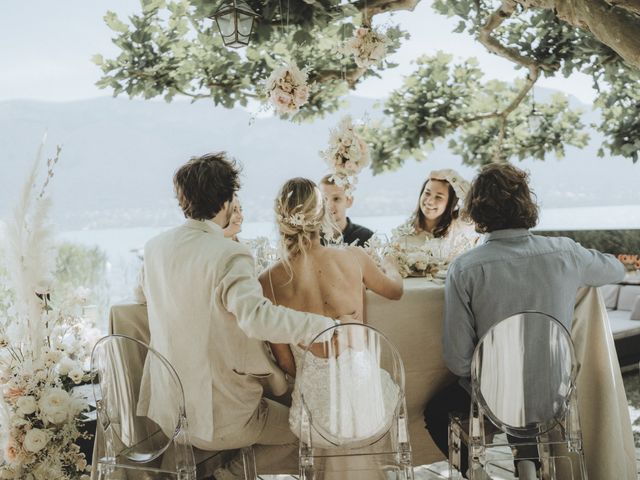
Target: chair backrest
<point x="351" y="387"/>
<point x="130" y="433"/>
<point x="523" y="373"/>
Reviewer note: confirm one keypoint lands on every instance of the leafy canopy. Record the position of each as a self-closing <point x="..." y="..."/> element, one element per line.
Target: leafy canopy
<point x="172" y="48"/>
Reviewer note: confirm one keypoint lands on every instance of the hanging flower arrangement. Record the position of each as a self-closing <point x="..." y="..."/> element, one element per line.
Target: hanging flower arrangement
<point x="347" y="154"/>
<point x="287" y="88"/>
<point x="367" y="46"/>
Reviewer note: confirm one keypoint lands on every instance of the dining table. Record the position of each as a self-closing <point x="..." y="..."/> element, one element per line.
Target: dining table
<point x="414" y="325"/>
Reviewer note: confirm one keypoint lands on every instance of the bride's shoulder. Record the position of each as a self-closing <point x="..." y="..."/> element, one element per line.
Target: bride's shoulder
<point x="273" y="271"/>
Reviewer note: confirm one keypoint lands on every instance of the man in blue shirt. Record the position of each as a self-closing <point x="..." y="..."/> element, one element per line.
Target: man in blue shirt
<point x="511" y="272"/>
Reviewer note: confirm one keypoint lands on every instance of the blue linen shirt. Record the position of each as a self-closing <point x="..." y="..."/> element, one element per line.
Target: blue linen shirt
<point x="514" y="271"/>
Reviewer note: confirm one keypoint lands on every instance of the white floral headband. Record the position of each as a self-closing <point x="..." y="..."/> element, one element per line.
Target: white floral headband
<point x="460" y="185"/>
<point x="298" y="219"/>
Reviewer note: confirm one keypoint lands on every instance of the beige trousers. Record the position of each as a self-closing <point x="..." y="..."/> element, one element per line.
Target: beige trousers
<point x="274" y="444"/>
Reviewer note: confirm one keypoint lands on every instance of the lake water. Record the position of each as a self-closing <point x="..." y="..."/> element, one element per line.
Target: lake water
<point x="123" y="246"/>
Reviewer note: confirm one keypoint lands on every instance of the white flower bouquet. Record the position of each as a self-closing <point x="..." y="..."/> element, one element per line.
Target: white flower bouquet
<point x="347" y="154"/>
<point x="413" y="262"/>
<point x="44" y="353"/>
<point x="368" y="46"/>
<point x="287" y="88"/>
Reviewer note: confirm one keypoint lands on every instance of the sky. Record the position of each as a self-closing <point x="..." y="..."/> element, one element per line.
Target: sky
<point x="46" y="47"/>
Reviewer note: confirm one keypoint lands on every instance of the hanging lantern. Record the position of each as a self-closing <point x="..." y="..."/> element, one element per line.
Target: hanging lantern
<point x="535" y="120"/>
<point x="235" y="20"/>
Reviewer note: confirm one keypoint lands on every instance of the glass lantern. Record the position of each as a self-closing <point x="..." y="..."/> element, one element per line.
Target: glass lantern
<point x="235" y="20"/>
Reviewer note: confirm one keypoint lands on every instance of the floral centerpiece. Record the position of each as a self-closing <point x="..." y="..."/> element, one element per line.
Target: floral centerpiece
<point x="287" y="88"/>
<point x="44" y="350"/>
<point x="368" y="46"/>
<point x="347" y="154"/>
<point x="413" y="261"/>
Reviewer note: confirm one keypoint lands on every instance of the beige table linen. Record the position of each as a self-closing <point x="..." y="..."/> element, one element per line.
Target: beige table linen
<point x="414" y="325"/>
<point x="604" y="413"/>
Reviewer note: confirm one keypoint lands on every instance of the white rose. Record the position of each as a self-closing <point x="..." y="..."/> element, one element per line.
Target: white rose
<point x="35" y="440"/>
<point x="66" y="365"/>
<point x="26" y="405"/>
<point x="54" y="405"/>
<point x="51" y="357"/>
<point x="76" y="375"/>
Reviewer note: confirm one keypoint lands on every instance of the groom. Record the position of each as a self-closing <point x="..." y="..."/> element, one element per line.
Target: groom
<point x="208" y="317"/>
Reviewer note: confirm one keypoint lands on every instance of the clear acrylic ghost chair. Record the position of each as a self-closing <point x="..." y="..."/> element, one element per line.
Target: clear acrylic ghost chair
<point x="352" y="411"/>
<point x="131" y="320"/>
<point x="134" y="445"/>
<point x="523" y="374"/>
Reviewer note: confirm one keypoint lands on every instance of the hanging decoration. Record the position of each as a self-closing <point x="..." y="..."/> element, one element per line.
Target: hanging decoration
<point x="235" y="20"/>
<point x="535" y="119"/>
<point x="368" y="46"/>
<point x="287" y="88"/>
<point x="347" y="154"/>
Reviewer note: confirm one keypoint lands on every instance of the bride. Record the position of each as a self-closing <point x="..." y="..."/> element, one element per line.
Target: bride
<point x="330" y="281"/>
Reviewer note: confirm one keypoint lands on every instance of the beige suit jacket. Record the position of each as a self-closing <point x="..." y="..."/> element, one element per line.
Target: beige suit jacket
<point x="208" y="317"/>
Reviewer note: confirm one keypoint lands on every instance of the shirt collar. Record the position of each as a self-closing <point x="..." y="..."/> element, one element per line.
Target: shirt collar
<point x="507" y="233"/>
<point x="349" y="225"/>
<point x="204" y="225"/>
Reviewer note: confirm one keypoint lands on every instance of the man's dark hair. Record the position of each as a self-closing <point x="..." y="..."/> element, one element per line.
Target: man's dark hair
<point x="205" y="183"/>
<point x="500" y="198"/>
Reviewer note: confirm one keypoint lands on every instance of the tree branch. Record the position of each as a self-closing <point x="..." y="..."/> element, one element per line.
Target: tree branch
<point x="494" y="46"/>
<point x="632" y="6"/>
<point x="615" y="27"/>
<point x="350" y="76"/>
<point x="374" y="7"/>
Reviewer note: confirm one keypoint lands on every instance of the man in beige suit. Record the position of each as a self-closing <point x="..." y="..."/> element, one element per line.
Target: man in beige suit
<point x="208" y="316"/>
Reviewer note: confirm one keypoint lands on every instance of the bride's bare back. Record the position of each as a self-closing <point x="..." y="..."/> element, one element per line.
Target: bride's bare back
<point x="329" y="281"/>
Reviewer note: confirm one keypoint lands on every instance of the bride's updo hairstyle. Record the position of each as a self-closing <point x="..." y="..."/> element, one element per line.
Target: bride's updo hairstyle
<point x="301" y="217"/>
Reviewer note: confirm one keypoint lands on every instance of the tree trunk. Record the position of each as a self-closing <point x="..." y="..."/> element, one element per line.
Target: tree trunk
<point x="617" y="28"/>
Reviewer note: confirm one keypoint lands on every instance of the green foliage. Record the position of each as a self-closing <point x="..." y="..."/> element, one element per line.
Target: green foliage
<point x="80" y="266"/>
<point x="75" y="266"/>
<point x="560" y="47"/>
<point x="441" y="98"/>
<point x="172" y="47"/>
<point x="616" y="242"/>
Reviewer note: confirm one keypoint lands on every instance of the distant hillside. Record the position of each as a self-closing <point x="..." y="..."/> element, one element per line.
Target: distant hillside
<point x="119" y="156"/>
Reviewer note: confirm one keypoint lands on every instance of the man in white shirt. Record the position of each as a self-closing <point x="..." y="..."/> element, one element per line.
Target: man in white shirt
<point x="209" y="318"/>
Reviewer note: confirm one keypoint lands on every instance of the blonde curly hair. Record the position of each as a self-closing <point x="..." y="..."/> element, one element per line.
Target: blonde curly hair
<point x="301" y="217"/>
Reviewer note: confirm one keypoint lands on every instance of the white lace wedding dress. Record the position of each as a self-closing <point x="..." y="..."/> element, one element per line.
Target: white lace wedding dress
<point x="350" y="399"/>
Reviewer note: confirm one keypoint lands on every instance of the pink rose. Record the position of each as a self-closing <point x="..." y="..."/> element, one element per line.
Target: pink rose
<point x="12" y="451"/>
<point x="282" y="101"/>
<point x="301" y="95"/>
<point x="13" y="393"/>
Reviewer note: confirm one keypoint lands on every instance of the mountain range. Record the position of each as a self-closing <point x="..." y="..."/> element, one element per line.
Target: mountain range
<point x="119" y="155"/>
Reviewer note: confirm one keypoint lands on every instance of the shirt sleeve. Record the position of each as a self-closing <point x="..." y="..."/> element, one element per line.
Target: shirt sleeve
<point x="459" y="336"/>
<point x="241" y="295"/>
<point x="598" y="268"/>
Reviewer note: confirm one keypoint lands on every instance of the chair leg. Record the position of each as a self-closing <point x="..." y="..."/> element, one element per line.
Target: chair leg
<point x="249" y="463"/>
<point x="455" y="439"/>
